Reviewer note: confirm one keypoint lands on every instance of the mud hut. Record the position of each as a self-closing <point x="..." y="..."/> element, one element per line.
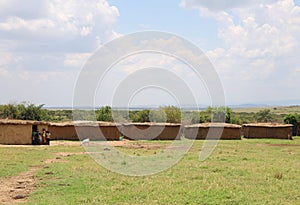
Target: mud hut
<point x="83" y="130"/>
<point x="213" y="131"/>
<point x="19" y="132"/>
<point x="98" y="130"/>
<point x="268" y="130"/>
<point x="63" y="131"/>
<point x="152" y="131"/>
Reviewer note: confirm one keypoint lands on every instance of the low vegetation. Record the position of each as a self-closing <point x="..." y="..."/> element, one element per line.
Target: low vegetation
<point x="172" y="114"/>
<point x="261" y="171"/>
<point x="23" y="111"/>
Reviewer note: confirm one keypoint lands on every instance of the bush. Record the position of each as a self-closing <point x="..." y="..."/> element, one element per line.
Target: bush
<point x="264" y="116"/>
<point x="24" y="111"/>
<point x="293" y="119"/>
<point x="173" y="114"/>
<point x="157" y="116"/>
<point x="140" y="116"/>
<point x="218" y="114"/>
<point x="104" y="114"/>
<point x="170" y="114"/>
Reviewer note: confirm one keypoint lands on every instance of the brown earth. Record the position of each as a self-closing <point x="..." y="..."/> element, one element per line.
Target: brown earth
<point x="16" y="189"/>
<point x="279" y="145"/>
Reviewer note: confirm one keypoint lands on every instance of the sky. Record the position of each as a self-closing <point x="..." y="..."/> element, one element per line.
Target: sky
<point x="253" y="46"/>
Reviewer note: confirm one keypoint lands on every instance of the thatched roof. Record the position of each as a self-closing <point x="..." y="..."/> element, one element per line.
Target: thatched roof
<point x="153" y="124"/>
<point x="22" y="122"/>
<point x="85" y="123"/>
<point x="208" y="125"/>
<point x="267" y="125"/>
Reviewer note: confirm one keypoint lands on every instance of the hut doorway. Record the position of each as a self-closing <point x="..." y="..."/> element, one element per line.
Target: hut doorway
<point x="35" y="134"/>
<point x="34" y="128"/>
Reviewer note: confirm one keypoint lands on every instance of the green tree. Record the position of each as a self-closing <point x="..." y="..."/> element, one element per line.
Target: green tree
<point x="140" y="116"/>
<point x="24" y="111"/>
<point x="104" y="114"/>
<point x="293" y="119"/>
<point x="157" y="116"/>
<point x="218" y="114"/>
<point x="264" y="116"/>
<point x="173" y="114"/>
<point x="30" y="111"/>
<point x="8" y="111"/>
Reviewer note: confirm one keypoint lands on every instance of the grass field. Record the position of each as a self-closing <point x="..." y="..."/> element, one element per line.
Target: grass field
<point x="238" y="172"/>
<point x="274" y="109"/>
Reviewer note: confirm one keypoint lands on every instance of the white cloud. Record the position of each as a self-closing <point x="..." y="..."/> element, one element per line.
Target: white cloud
<point x="51" y="87"/>
<point x="8" y="60"/>
<point x="59" y="21"/>
<point x="76" y="59"/>
<point x="3" y="72"/>
<point x="45" y="41"/>
<point x="259" y="46"/>
<point x="56" y="27"/>
<point x="217" y="5"/>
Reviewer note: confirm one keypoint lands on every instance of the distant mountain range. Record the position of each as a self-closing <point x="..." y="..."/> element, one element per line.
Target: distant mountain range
<point x="188" y="107"/>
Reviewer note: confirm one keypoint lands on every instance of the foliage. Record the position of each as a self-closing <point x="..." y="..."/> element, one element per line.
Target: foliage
<point x="23" y="111"/>
<point x="170" y="114"/>
<point x="264" y="116"/>
<point x="192" y="117"/>
<point x="293" y="119"/>
<point x="60" y="115"/>
<point x="157" y="116"/>
<point x="233" y="164"/>
<point x="140" y="116"/>
<point x="173" y="114"/>
<point x="104" y="114"/>
<point x="218" y="114"/>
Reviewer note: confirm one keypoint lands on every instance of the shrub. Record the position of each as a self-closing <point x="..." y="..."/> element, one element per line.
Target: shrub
<point x="104" y="114"/>
<point x="264" y="116"/>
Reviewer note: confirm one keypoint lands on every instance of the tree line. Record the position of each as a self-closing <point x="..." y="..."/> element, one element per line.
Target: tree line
<point x="169" y="114"/>
<point x="23" y="111"/>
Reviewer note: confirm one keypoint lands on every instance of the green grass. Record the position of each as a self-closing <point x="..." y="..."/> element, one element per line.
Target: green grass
<point x="15" y="160"/>
<point x="238" y="172"/>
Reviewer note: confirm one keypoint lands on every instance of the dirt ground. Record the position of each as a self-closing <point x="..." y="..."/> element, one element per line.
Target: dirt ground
<point x="16" y="189"/>
<point x="278" y="145"/>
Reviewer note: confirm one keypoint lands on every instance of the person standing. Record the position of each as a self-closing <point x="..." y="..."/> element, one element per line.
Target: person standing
<point x="44" y="136"/>
<point x="48" y="136"/>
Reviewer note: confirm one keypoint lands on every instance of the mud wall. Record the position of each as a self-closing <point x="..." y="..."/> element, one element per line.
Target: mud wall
<point x="151" y="131"/>
<point x="15" y="134"/>
<point x="268" y="132"/>
<point x="228" y="133"/>
<point x="71" y="132"/>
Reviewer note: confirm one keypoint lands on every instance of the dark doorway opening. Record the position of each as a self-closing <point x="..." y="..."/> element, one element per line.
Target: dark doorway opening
<point x="35" y="135"/>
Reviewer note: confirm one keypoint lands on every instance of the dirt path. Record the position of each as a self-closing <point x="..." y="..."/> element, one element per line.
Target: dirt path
<point x="16" y="189"/>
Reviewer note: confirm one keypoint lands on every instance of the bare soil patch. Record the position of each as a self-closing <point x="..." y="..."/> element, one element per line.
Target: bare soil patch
<point x="16" y="189"/>
<point x="278" y="145"/>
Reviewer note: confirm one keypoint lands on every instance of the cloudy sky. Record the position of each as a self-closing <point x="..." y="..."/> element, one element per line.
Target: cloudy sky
<point x="253" y="46"/>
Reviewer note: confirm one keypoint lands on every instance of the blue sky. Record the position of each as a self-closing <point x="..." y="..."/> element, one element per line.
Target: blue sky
<point x="254" y="46"/>
<point x="166" y="16"/>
